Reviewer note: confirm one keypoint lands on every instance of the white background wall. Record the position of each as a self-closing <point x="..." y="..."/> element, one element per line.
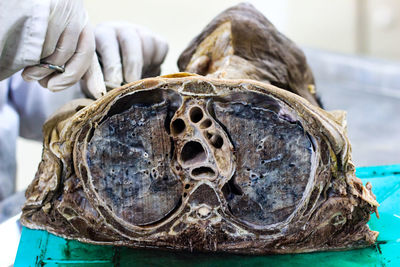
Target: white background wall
<point x="367" y="27"/>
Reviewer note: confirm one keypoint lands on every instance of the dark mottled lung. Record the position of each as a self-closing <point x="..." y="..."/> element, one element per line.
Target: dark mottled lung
<point x="273" y="162"/>
<point x="129" y="162"/>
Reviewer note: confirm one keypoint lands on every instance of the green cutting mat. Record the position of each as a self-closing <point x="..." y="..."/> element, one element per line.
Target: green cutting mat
<point x="39" y="248"/>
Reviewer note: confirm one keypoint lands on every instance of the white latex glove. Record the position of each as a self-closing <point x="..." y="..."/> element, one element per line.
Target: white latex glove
<point x="69" y="42"/>
<point x="128" y="52"/>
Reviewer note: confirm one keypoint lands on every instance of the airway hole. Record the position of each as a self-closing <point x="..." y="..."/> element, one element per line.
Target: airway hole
<point x="203" y="171"/>
<point x="217" y="141"/>
<point x="196" y="114"/>
<point x="193" y="152"/>
<point x="205" y="124"/>
<point x="178" y="126"/>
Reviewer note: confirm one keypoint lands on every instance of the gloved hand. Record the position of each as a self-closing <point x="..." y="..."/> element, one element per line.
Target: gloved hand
<point x="128" y="52"/>
<point x="69" y="42"/>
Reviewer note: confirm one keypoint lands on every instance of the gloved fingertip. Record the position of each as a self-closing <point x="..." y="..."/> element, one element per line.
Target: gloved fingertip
<point x="35" y="73"/>
<point x="26" y="74"/>
<point x="56" y="88"/>
<point x="55" y="84"/>
<point x="101" y="91"/>
<point x="94" y="80"/>
<point x="94" y="88"/>
<point x="98" y="93"/>
<point x="26" y="78"/>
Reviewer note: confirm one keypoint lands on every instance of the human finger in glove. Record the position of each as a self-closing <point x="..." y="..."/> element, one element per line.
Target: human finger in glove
<point x="128" y="52"/>
<point x="53" y="32"/>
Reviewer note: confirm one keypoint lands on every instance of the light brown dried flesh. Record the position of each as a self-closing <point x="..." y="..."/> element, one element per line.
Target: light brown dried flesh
<point x="192" y="163"/>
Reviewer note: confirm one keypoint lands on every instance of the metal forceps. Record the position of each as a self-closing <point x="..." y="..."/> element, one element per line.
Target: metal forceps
<point x="59" y="69"/>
